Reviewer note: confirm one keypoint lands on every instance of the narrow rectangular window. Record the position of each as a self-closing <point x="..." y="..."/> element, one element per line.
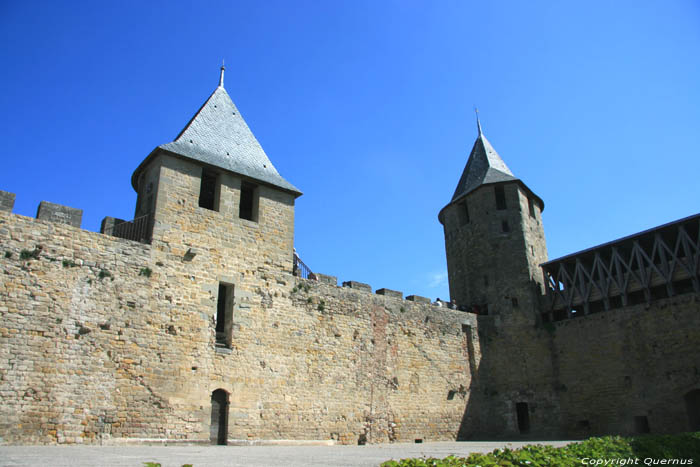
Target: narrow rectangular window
<point x="500" y="197"/>
<point x="531" y="207"/>
<point x="505" y="227"/>
<point x="463" y="213"/>
<point x="248" y="206"/>
<point x="224" y="315"/>
<point x="207" y="191"/>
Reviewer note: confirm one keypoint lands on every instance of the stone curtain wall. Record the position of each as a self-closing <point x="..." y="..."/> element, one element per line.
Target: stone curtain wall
<point x="76" y="341"/>
<point x="388" y="365"/>
<point x="630" y="362"/>
<point x="104" y="340"/>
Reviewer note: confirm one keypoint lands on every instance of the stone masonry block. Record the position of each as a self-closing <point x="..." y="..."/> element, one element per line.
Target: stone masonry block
<point x="357" y="285"/>
<point x="7" y="201"/>
<point x="60" y="214"/>
<point x="108" y="224"/>
<point x="390" y="293"/>
<point x="418" y="299"/>
<point x="326" y="279"/>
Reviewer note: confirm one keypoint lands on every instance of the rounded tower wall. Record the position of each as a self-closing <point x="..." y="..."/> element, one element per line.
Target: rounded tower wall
<point x="494" y="243"/>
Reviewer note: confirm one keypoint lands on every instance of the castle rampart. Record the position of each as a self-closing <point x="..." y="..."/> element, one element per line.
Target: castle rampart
<point x="190" y="324"/>
<point x="106" y="340"/>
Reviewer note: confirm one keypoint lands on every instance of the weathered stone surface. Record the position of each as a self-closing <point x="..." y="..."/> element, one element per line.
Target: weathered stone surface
<point x="93" y="348"/>
<point x="390" y="293"/>
<point x="60" y="214"/>
<point x="333" y="280"/>
<point x="358" y="286"/>
<point x="418" y="298"/>
<point x="7" y="201"/>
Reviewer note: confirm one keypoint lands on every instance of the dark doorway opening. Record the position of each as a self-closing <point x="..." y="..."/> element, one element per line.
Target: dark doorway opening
<point x="692" y="405"/>
<point x="523" y="414"/>
<point x="641" y="424"/>
<point x="218" y="431"/>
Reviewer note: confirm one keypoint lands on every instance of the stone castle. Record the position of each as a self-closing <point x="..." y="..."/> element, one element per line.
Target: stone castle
<point x="196" y="322"/>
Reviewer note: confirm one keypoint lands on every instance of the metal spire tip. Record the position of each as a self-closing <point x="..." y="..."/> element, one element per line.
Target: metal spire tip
<point x="478" y="123"/>
<point x="221" y="78"/>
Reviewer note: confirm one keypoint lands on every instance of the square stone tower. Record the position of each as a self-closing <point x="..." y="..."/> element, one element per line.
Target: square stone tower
<point x="214" y="188"/>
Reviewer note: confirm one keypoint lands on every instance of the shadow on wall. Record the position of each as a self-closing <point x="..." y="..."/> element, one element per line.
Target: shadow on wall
<point x="513" y="392"/>
<point x="520" y="388"/>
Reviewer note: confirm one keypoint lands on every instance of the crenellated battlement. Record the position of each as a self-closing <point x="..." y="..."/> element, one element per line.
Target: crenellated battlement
<point x="138" y="229"/>
<point x="394" y="294"/>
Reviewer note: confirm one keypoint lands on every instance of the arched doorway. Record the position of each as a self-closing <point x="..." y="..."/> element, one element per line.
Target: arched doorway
<point x="692" y="406"/>
<point x="218" y="430"/>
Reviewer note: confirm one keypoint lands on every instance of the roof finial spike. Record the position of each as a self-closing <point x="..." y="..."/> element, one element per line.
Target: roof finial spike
<point x="221" y="78"/>
<point x="478" y="123"/>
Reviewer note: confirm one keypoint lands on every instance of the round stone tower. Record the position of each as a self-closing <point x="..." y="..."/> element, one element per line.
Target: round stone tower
<point x="494" y="239"/>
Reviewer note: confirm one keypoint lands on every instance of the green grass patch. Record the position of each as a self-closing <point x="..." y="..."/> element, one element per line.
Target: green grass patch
<point x="145" y="272"/>
<point x="29" y="254"/>
<point x="680" y="449"/>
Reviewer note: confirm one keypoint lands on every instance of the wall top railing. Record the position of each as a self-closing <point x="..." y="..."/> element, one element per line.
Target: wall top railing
<point x="300" y="269"/>
<point x="656" y="263"/>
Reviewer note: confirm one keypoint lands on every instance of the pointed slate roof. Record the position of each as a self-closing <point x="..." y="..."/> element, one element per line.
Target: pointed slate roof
<point x="217" y="135"/>
<point x="483" y="167"/>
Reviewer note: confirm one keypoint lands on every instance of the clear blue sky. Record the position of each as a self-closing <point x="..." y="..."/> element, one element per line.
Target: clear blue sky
<point x="367" y="107"/>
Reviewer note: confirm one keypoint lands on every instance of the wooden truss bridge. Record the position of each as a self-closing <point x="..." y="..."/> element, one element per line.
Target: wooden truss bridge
<point x="657" y="263"/>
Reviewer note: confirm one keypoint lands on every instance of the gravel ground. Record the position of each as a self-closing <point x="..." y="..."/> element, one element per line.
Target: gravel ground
<point x="255" y="456"/>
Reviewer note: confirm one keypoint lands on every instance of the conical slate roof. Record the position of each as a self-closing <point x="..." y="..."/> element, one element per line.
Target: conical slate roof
<point x="484" y="166"/>
<point x="218" y="136"/>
